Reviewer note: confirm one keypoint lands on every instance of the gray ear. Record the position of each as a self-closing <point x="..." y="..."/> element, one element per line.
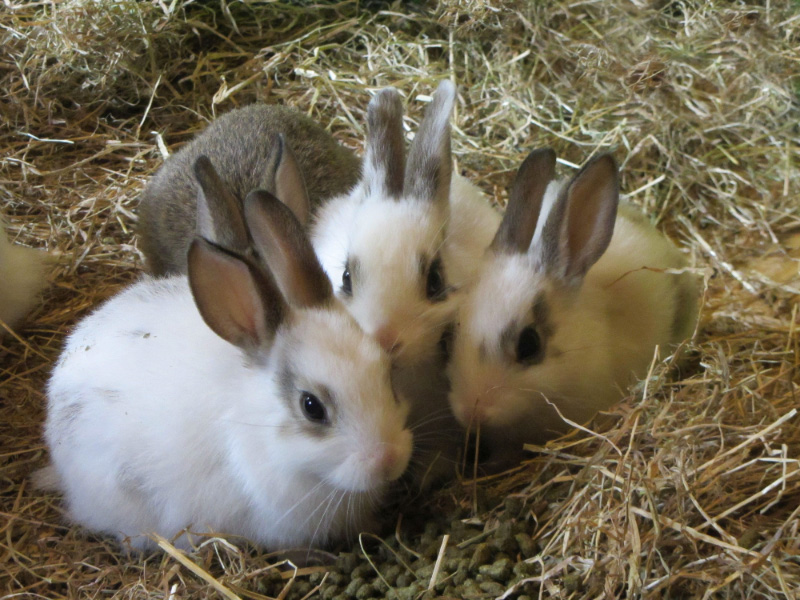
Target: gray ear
<point x="286" y="250"/>
<point x="581" y="223"/>
<point x="219" y="213"/>
<point x="236" y="301"/>
<point x="525" y="202"/>
<point x="429" y="161"/>
<point x="290" y="187"/>
<point x="384" y="162"/>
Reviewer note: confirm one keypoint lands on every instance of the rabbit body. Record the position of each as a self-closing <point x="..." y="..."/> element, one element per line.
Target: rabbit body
<point x="156" y="423"/>
<point x="242" y="146"/>
<point x="23" y="274"/>
<point x="536" y="332"/>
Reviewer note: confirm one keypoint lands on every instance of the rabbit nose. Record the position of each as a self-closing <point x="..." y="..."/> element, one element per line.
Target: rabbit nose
<point x="387" y="338"/>
<point x="388" y="464"/>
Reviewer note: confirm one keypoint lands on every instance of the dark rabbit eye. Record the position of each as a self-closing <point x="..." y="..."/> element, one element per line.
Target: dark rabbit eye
<point x="347" y="284"/>
<point x="313" y="408"/>
<point x="446" y="341"/>
<point x="529" y="346"/>
<point x="434" y="287"/>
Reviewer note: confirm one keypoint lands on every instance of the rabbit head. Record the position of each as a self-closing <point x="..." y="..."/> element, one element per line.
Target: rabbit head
<point x="336" y="414"/>
<point x="521" y="340"/>
<point x="383" y="246"/>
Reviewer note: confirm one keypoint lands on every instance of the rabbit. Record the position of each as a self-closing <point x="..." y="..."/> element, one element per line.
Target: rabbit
<point x="400" y="249"/>
<point x="388" y="246"/>
<point x="215" y="401"/>
<point x="566" y="310"/>
<point x="249" y="148"/>
<point x="23" y="275"/>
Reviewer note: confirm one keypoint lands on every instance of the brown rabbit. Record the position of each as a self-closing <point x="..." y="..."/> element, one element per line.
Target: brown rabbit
<point x="249" y="149"/>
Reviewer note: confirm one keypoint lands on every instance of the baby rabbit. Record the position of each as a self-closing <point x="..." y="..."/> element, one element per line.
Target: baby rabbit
<point x="23" y="274"/>
<point x="388" y="246"/>
<point x="240" y="400"/>
<point x="248" y="148"/>
<point x="569" y="305"/>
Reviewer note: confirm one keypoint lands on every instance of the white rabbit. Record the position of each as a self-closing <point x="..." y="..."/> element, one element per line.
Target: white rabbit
<point x="400" y="249"/>
<point x="568" y="307"/>
<point x="397" y="247"/>
<point x="221" y="403"/>
<point x="23" y="274"/>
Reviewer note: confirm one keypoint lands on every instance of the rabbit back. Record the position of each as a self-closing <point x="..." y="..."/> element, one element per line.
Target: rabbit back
<point x="241" y="146"/>
<point x="117" y="418"/>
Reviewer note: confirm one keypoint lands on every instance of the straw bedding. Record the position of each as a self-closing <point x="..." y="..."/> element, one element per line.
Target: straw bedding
<point x="691" y="488"/>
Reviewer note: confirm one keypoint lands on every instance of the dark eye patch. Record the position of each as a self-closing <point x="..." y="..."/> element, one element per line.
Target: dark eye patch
<point x="434" y="276"/>
<point x="530" y="349"/>
<point x="526" y="343"/>
<point x="313" y="411"/>
<point x="349" y="273"/>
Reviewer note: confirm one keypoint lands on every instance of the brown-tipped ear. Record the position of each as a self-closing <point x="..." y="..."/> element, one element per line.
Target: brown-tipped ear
<point x="286" y="250"/>
<point x="385" y="158"/>
<point x="219" y="213"/>
<point x="429" y="160"/>
<point x="236" y="301"/>
<point x="290" y="187"/>
<point x="525" y="203"/>
<point x="581" y="224"/>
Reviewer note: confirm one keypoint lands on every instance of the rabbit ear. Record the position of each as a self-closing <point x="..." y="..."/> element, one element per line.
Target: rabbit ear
<point x="581" y="223"/>
<point x="290" y="187"/>
<point x="384" y="162"/>
<point x="286" y="250"/>
<point x="525" y="203"/>
<point x="219" y="213"/>
<point x="429" y="161"/>
<point x="238" y="303"/>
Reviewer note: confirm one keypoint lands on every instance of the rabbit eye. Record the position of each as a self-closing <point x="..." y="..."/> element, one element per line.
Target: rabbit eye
<point x="347" y="283"/>
<point x="313" y="409"/>
<point x="529" y="346"/>
<point x="434" y="287"/>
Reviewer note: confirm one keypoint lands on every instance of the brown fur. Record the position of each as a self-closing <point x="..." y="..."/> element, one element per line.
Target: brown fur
<point x="241" y="148"/>
<point x="525" y="202"/>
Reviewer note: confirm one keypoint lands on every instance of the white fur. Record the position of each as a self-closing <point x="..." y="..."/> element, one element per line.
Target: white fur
<point x="387" y="237"/>
<point x="605" y="334"/>
<point x="22" y="276"/>
<point x="155" y="424"/>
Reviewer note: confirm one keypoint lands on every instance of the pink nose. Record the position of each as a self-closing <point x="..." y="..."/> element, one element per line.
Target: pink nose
<point x="387" y="338"/>
<point x="387" y="464"/>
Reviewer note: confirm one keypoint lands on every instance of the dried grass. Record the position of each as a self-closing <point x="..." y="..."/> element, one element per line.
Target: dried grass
<point x="692" y="490"/>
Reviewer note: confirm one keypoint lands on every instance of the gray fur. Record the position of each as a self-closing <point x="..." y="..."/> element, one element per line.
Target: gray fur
<point x="222" y="285"/>
<point x="242" y="145"/>
<point x="385" y="153"/>
<point x="286" y="251"/>
<point x="219" y="214"/>
<point x="525" y="202"/>
<point x="581" y="223"/>
<point x="430" y="163"/>
<point x="290" y="392"/>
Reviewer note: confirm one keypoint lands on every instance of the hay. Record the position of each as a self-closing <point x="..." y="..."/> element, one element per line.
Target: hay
<point x="693" y="488"/>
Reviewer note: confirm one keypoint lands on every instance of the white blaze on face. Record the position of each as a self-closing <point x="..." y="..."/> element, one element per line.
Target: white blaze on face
<point x="483" y="370"/>
<point x="366" y="443"/>
<point x="388" y="248"/>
